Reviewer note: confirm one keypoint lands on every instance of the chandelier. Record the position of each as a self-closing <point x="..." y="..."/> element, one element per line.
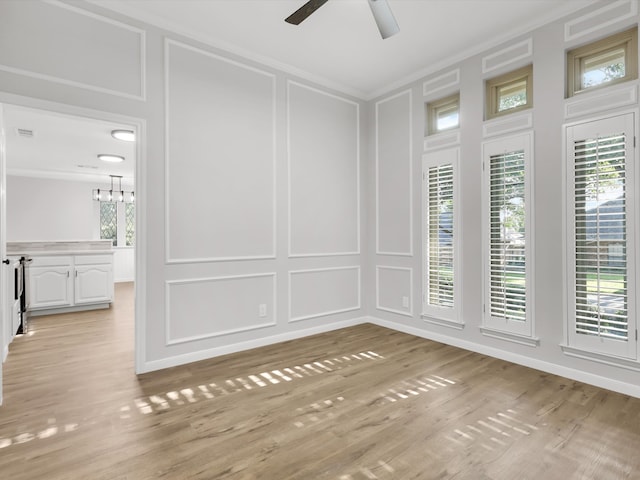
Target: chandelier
<point x="114" y="194"/>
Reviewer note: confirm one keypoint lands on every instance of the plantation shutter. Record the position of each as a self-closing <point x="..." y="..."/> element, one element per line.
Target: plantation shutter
<point x="440" y="236"/>
<point x="601" y="242"/>
<point x="601" y="222"/>
<point x="507" y="236"/>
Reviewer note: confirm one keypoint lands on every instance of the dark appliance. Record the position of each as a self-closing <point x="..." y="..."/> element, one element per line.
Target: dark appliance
<point x="21" y="282"/>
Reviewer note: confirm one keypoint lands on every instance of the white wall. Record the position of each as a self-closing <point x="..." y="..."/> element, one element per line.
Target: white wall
<point x="545" y="48"/>
<point x="42" y="209"/>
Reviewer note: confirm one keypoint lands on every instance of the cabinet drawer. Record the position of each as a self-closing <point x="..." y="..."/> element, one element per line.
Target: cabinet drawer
<point x="52" y="261"/>
<point x="93" y="259"/>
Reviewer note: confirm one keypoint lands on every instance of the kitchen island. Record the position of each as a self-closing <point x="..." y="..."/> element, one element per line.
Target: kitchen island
<point x="67" y="276"/>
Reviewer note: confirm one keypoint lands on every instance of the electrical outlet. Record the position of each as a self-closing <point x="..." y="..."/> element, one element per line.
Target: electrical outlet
<point x="262" y="310"/>
<point x="405" y="302"/>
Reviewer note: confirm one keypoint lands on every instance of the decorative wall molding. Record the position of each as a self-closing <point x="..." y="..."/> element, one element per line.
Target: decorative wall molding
<point x="379" y="306"/>
<point x="169" y="259"/>
<point x="357" y="305"/>
<point x="589" y="103"/>
<point x="292" y="254"/>
<point x="442" y="140"/>
<point x="508" y="55"/>
<point x="508" y="124"/>
<point x="379" y="250"/>
<point x="169" y="284"/>
<point x="141" y="95"/>
<point x="449" y="79"/>
<point x="610" y="14"/>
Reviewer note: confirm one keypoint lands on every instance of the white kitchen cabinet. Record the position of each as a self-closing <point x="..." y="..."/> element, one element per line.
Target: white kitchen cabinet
<point x="50" y="286"/>
<point x="93" y="284"/>
<point x="70" y="282"/>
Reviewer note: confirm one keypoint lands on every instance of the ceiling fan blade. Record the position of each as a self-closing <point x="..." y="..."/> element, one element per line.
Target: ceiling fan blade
<point x="384" y="18"/>
<point x="303" y="12"/>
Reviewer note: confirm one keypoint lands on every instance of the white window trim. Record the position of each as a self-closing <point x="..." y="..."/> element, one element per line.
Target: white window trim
<point x="570" y="347"/>
<point x="517" y="332"/>
<point x="449" y="317"/>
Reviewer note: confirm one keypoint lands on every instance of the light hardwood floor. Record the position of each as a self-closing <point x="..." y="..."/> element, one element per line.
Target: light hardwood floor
<point x="356" y="404"/>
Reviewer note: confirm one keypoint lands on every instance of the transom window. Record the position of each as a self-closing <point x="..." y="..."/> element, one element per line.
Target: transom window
<point x="443" y="114"/>
<point x="510" y="92"/>
<point x="607" y="61"/>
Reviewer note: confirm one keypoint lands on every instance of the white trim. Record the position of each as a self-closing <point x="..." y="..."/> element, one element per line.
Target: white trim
<point x="567" y="372"/>
<point x="174" y="261"/>
<point x="393" y="310"/>
<point x="442" y="322"/>
<point x="209" y="353"/>
<point x="510" y="337"/>
<point x="528" y="44"/>
<point x="329" y="312"/>
<point x="377" y="173"/>
<point x="507" y="124"/>
<point x="455" y="81"/>
<point x="88" y="86"/>
<point x="601" y="101"/>
<point x="511" y="328"/>
<point x="633" y="11"/>
<point x="194" y="338"/>
<point x="442" y="140"/>
<point x="289" y="221"/>
<point x="601" y="358"/>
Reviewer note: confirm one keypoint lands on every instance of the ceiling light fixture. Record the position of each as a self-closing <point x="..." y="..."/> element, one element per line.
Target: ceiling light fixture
<point x="124" y="135"/>
<point x="108" y="157"/>
<point x="114" y="195"/>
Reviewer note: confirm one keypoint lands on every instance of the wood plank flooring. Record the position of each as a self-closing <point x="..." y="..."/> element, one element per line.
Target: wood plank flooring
<point x="356" y="404"/>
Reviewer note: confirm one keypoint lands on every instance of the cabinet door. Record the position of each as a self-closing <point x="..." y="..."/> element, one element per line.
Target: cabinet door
<point x="94" y="284"/>
<point x="50" y="287"/>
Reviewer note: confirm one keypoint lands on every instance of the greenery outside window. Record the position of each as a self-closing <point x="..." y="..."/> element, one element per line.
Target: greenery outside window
<point x="117" y="223"/>
<point x="605" y="62"/>
<point x="509" y="93"/>
<point x="443" y="114"/>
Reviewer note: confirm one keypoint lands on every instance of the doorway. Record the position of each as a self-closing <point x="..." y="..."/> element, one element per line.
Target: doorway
<point x="51" y="170"/>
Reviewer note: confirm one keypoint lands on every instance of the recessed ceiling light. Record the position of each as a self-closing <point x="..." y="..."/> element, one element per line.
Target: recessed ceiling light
<point x="108" y="157"/>
<point x="125" y="135"/>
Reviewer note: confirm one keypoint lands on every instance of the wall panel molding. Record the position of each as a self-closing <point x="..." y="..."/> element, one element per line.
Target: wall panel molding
<point x="399" y="308"/>
<point x="324" y="283"/>
<point x="610" y="14"/>
<point x="507" y="124"/>
<point x="508" y="55"/>
<point x="327" y="183"/>
<point x="392" y="162"/>
<point x="237" y="280"/>
<point x="230" y="155"/>
<point x="56" y="43"/>
<point x="447" y="80"/>
<point x="601" y="101"/>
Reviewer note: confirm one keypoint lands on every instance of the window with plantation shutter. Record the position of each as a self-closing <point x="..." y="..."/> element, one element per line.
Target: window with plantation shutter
<point x="508" y="233"/>
<point x="601" y="264"/>
<point x="440" y="222"/>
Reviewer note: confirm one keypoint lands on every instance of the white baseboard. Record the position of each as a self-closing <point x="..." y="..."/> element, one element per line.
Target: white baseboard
<point x="152" y="365"/>
<point x="571" y="373"/>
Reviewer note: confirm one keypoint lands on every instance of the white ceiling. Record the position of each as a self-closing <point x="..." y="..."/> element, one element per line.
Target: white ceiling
<point x="339" y="45"/>
<point x="64" y="147"/>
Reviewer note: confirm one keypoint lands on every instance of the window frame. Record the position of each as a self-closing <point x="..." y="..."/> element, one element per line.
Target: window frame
<point x="121" y="223"/>
<point x="492" y="85"/>
<point x="517" y="331"/>
<point x="575" y="57"/>
<point x="596" y="347"/>
<point x="437" y="314"/>
<point x="432" y="109"/>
